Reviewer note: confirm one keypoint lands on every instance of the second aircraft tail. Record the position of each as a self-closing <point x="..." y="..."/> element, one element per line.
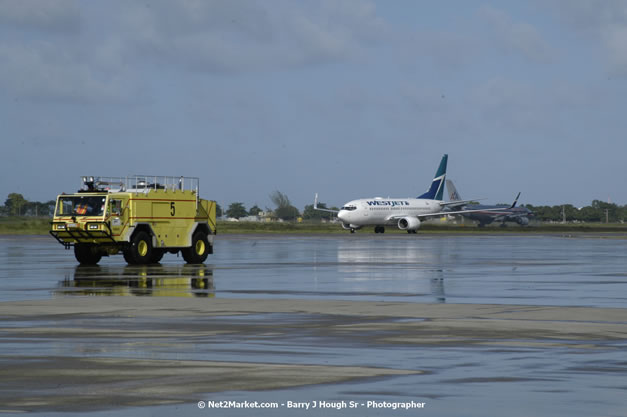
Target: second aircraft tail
<point x="453" y="195"/>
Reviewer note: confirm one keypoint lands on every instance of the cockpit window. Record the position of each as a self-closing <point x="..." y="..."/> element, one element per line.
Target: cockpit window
<point x="349" y="208"/>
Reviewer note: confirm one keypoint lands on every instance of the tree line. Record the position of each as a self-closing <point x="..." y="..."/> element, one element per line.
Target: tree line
<point x="17" y="205"/>
<point x="598" y="211"/>
<point x="283" y="210"/>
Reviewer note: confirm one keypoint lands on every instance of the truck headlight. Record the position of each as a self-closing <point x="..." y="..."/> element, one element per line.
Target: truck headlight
<point x="94" y="227"/>
<point x="60" y="227"/>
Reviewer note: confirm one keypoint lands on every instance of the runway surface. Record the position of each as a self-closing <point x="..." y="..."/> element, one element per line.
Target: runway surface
<point x="360" y="325"/>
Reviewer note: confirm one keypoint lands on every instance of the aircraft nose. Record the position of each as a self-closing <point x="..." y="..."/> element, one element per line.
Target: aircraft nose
<point x="342" y="215"/>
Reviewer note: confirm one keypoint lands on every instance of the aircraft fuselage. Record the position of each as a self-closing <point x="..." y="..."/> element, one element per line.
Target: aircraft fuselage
<point x="507" y="214"/>
<point x="385" y="211"/>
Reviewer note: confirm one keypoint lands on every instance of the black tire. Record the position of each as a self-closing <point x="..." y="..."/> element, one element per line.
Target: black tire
<point x="127" y="256"/>
<point x="86" y="255"/>
<point x="140" y="251"/>
<point x="200" y="249"/>
<point x="157" y="255"/>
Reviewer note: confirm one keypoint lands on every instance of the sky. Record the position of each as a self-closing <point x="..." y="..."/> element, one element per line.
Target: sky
<point x="346" y="98"/>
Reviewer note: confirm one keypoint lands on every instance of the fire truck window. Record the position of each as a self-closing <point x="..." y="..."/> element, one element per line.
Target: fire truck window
<point x="116" y="207"/>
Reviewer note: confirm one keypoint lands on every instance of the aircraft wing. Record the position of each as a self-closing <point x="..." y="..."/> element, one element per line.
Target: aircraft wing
<point x="456" y="203"/>
<point x="446" y="213"/>
<point x="459" y="203"/>
<point x="438" y="214"/>
<point x="315" y="207"/>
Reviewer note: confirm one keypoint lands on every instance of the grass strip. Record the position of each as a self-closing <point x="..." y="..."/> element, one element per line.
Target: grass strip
<point x="41" y="226"/>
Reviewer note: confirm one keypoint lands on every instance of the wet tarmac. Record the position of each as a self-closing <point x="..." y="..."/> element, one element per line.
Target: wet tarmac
<point x="464" y="325"/>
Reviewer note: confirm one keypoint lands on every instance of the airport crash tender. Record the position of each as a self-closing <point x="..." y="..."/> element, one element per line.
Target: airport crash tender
<point x="142" y="217"/>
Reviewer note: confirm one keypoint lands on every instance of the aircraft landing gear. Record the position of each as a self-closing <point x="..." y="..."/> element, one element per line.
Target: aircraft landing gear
<point x="412" y="232"/>
<point x="379" y="229"/>
<point x="352" y="230"/>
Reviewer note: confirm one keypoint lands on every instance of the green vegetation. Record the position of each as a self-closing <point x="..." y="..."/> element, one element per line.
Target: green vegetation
<point x="41" y="226"/>
<point x="17" y="205"/>
<point x="227" y="227"/>
<point x="24" y="225"/>
<point x="20" y="216"/>
<point x="598" y="211"/>
<point x="236" y="211"/>
<point x="284" y="208"/>
<point x="310" y="214"/>
<point x="254" y="211"/>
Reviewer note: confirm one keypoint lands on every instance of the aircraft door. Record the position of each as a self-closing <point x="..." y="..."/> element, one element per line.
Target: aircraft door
<point x="365" y="208"/>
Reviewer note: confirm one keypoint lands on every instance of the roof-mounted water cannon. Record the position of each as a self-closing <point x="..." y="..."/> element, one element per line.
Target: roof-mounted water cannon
<point x="89" y="182"/>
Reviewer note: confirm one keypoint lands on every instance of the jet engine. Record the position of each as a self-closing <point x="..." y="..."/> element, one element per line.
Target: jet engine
<point x="347" y="226"/>
<point x="408" y="223"/>
<point x="523" y="221"/>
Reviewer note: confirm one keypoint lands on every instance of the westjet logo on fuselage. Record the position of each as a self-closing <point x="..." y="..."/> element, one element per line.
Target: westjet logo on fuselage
<point x="387" y="203"/>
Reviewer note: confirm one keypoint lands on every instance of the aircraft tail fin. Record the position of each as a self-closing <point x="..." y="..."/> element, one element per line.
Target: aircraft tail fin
<point x="436" y="191"/>
<point x="515" y="201"/>
<point x="453" y="195"/>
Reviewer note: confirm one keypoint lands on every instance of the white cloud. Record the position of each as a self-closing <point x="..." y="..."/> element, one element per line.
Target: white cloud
<point x="446" y="50"/>
<point x="615" y="38"/>
<point x="41" y="61"/>
<point x="602" y="21"/>
<point x="588" y="15"/>
<point x="519" y="38"/>
<point x="48" y="53"/>
<point x="227" y="36"/>
<point x="44" y="70"/>
<point x="56" y="16"/>
<point x="512" y="106"/>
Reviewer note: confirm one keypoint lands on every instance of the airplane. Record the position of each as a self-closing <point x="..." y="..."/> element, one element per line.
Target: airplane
<point x="406" y="213"/>
<point x="486" y="214"/>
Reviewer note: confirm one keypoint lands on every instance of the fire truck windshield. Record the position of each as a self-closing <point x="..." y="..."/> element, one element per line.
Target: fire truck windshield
<point x="81" y="206"/>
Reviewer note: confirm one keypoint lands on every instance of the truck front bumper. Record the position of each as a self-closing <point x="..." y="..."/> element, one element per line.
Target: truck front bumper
<point x="69" y="234"/>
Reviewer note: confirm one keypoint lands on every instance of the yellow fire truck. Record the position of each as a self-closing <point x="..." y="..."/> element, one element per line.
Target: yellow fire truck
<point x="142" y="217"/>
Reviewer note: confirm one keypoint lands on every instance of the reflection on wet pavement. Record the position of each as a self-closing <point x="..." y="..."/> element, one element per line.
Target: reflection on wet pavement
<point x="474" y="326"/>
<point x="139" y="280"/>
<point x="533" y="270"/>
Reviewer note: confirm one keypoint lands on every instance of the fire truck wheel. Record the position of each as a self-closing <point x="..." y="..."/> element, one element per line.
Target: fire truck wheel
<point x="197" y="253"/>
<point x="140" y="251"/>
<point x="85" y="255"/>
<point x="157" y="254"/>
<point x="127" y="256"/>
